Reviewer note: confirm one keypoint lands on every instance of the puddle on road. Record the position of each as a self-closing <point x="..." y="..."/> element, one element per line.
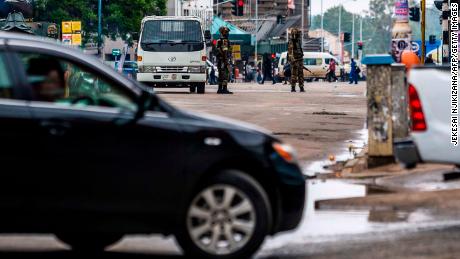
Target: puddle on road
<point x="325" y="226"/>
<point x="320" y="167"/>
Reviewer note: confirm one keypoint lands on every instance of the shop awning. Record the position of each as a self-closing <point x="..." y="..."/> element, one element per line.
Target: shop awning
<point x="237" y="35"/>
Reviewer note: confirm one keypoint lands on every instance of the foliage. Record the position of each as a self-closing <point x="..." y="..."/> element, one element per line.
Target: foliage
<point x="119" y="17"/>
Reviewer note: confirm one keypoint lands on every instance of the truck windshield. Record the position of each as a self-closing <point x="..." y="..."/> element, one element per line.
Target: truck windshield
<point x="172" y="36"/>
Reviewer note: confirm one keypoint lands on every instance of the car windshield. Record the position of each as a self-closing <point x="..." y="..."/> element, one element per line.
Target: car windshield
<point x="171" y="31"/>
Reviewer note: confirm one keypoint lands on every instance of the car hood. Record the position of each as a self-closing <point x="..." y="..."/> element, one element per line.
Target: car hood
<point x="215" y="121"/>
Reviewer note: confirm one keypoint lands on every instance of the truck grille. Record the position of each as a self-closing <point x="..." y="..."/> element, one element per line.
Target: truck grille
<point x="170" y="69"/>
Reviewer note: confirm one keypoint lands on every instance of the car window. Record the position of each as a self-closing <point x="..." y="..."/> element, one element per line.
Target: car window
<point x="312" y="61"/>
<point x="5" y="80"/>
<point x="62" y="82"/>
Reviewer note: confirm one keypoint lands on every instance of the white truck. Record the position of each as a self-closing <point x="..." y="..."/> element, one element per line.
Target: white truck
<point x="430" y="110"/>
<point x="172" y="53"/>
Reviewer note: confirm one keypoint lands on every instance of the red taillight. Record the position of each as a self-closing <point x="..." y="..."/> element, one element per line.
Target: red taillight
<point x="416" y="111"/>
<point x="203" y="58"/>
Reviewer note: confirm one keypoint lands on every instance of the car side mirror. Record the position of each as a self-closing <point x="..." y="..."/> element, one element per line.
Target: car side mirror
<point x="147" y="101"/>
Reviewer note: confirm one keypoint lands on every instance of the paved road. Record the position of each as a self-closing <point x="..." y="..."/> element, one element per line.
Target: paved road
<point x="319" y="122"/>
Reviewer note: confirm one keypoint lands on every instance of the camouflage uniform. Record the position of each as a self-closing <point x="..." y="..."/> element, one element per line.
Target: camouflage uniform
<point x="223" y="54"/>
<point x="295" y="58"/>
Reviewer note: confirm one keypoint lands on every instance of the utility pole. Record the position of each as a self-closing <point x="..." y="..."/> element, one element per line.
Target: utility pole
<point x="99" y="28"/>
<point x="303" y="21"/>
<point x="445" y="32"/>
<point x="340" y="33"/>
<point x="257" y="28"/>
<point x="423" y="24"/>
<point x="361" y="30"/>
<point x="353" y="39"/>
<point x="322" y="27"/>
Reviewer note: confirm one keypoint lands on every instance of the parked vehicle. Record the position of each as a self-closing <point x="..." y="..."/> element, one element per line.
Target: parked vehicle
<point x="91" y="163"/>
<point x="430" y="138"/>
<point x="172" y="53"/>
<point x="316" y="62"/>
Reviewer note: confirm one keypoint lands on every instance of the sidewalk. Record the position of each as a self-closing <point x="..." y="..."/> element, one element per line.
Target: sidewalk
<point x="432" y="187"/>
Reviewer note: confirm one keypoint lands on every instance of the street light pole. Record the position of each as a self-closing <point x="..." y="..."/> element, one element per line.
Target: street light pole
<point x="99" y="27"/>
<point x="353" y="38"/>
<point x="303" y="21"/>
<point x="257" y="28"/>
<point x="322" y="27"/>
<point x="340" y="33"/>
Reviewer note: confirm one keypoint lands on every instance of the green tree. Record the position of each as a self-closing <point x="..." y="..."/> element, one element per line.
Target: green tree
<point x="377" y="25"/>
<point x="381" y="12"/>
<point x="120" y="18"/>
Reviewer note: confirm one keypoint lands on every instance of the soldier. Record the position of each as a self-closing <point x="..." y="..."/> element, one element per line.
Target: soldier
<point x="223" y="54"/>
<point x="295" y="58"/>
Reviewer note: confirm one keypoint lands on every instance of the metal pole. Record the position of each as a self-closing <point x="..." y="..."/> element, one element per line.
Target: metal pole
<point x="423" y="24"/>
<point x="445" y="32"/>
<point x="322" y="27"/>
<point x="303" y="22"/>
<point x="361" y="30"/>
<point x="340" y="33"/>
<point x="353" y="39"/>
<point x="257" y="28"/>
<point x="99" y="27"/>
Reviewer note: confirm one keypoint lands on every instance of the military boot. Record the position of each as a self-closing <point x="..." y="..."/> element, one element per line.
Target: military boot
<point x="220" y="89"/>
<point x="225" y="90"/>
<point x="302" y="90"/>
<point x="292" y="89"/>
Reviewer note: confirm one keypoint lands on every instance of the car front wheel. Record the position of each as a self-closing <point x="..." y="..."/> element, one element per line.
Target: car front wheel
<point x="228" y="217"/>
<point x="91" y="242"/>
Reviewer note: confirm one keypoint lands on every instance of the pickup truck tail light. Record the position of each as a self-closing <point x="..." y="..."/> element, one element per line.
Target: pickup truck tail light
<point x="416" y="111"/>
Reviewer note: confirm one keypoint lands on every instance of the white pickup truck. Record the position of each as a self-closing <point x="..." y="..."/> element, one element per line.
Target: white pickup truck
<point x="430" y="110"/>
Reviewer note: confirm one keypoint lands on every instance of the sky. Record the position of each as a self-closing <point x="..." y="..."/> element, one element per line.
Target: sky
<point x="357" y="6"/>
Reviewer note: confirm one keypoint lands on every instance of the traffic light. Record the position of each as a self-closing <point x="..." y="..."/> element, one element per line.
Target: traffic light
<point x="238" y="7"/>
<point x="346" y="37"/>
<point x="273" y="56"/>
<point x="360" y="45"/>
<point x="414" y="14"/>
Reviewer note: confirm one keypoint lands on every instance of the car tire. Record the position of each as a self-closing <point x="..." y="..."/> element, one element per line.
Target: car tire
<point x="89" y="242"/>
<point x="206" y="230"/>
<point x="201" y="88"/>
<point x="192" y="89"/>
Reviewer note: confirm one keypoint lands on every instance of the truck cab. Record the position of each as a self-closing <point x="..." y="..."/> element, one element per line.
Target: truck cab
<point x="172" y="53"/>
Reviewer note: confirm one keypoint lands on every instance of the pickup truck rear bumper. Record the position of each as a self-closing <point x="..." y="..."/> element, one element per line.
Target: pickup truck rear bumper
<point x="406" y="152"/>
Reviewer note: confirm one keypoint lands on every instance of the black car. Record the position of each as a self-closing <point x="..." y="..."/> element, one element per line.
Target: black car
<point x="90" y="156"/>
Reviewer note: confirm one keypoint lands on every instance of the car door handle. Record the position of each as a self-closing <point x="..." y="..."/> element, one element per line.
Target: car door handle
<point x="55" y="128"/>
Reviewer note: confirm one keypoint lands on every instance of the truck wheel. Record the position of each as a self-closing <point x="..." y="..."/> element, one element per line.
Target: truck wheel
<point x="192" y="89"/>
<point x="201" y="88"/>
<point x="229" y="217"/>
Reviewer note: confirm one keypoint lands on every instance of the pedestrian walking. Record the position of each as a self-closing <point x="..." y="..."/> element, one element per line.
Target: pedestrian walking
<point x="287" y="72"/>
<point x="223" y="54"/>
<point x="354" y="72"/>
<point x="267" y="68"/>
<point x="295" y="58"/>
<point x="212" y="76"/>
<point x="331" y="74"/>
